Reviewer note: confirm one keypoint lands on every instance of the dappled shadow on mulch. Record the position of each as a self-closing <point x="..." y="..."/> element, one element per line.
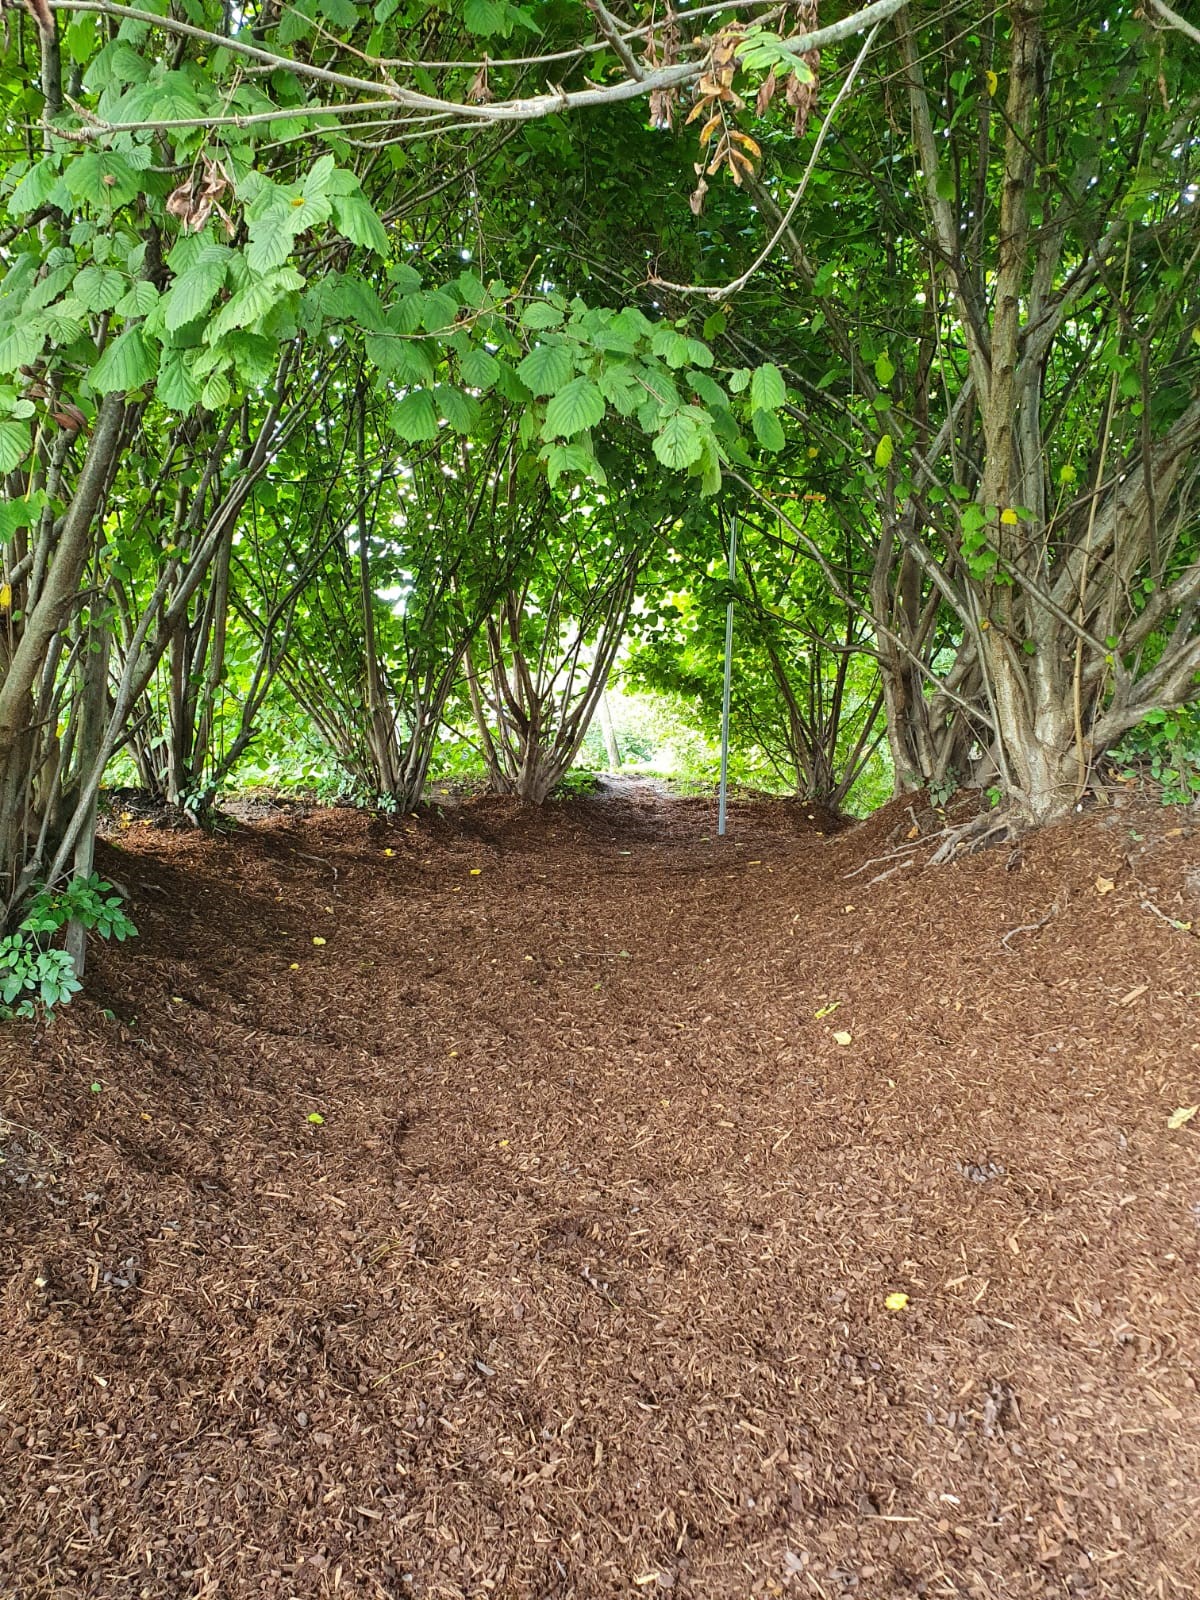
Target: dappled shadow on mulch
<point x="579" y="1286"/>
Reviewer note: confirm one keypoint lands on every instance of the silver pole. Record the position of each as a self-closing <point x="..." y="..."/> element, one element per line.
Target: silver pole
<point x="728" y="687"/>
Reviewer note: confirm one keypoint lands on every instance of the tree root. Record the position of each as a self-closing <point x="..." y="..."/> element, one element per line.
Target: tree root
<point x="978" y="834"/>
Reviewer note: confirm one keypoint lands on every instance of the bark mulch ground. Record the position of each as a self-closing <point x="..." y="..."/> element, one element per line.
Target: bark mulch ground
<point x="489" y="1204"/>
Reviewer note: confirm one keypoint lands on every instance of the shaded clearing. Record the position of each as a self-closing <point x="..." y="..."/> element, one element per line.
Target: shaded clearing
<point x="579" y="1287"/>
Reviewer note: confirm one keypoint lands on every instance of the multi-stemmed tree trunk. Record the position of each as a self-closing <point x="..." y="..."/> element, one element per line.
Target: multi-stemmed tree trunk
<point x="543" y="662"/>
<point x="1030" y="509"/>
<point x="421" y="554"/>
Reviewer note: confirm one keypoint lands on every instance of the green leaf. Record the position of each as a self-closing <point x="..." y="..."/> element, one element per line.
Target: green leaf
<point x="355" y="219"/>
<point x="99" y="288"/>
<point x="768" y="430"/>
<point x="438" y="310"/>
<point x="251" y="304"/>
<point x="35" y="188"/>
<point x="22" y="512"/>
<point x="574" y="457"/>
<point x="478" y="369"/>
<point x="415" y="417"/>
<point x="21" y="343"/>
<point x="272" y="235"/>
<point x="126" y="364"/>
<point x="460" y="410"/>
<point x="884" y="370"/>
<point x="767" y="388"/>
<point x="680" y="443"/>
<point x="539" y="315"/>
<point x="546" y="368"/>
<point x="884" y="451"/>
<point x="217" y="392"/>
<point x="140" y="300"/>
<point x="670" y="346"/>
<point x="707" y="389"/>
<point x="579" y="405"/>
<point x="341" y="13"/>
<point x="176" y="388"/>
<point x="486" y="16"/>
<point x="15" y="442"/>
<point x="190" y="296"/>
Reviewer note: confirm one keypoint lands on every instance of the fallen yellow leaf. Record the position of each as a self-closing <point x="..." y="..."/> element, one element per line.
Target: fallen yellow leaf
<point x="1177" y="1119"/>
<point x="841" y="1037"/>
<point x="475" y="871"/>
<point x="317" y="939"/>
<point x="896" y="1302"/>
<point x="1105" y="885"/>
<point x="295" y="967"/>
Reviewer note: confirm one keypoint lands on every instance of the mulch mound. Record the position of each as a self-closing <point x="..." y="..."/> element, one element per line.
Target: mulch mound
<point x="573" y="1204"/>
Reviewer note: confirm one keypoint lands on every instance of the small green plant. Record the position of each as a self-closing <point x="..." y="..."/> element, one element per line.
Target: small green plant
<point x="34" y="972"/>
<point x="942" y="790"/>
<point x="576" y="784"/>
<point x="1166" y="744"/>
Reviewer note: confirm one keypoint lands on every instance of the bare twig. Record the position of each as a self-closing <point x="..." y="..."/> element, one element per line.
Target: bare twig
<point x="1029" y="927"/>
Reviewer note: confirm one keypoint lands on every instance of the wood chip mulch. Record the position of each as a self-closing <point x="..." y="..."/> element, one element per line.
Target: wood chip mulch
<point x="604" y="1209"/>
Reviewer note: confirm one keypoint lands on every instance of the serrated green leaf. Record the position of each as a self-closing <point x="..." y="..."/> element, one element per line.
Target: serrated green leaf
<point x="140" y="300"/>
<point x="767" y="388"/>
<point x="190" y="296"/>
<point x="21" y="343"/>
<point x="619" y="386"/>
<point x="680" y="442"/>
<point x="478" y="369"/>
<point x="272" y="235"/>
<point x="35" y="188"/>
<point x="574" y="457"/>
<point x="99" y="288"/>
<point x="22" y="512"/>
<point x="768" y="430"/>
<point x="577" y="406"/>
<point x="539" y="316"/>
<point x="707" y="389"/>
<point x="486" y="17"/>
<point x="217" y="392"/>
<point x="546" y="368"/>
<point x="415" y="417"/>
<point x="460" y="410"/>
<point x="671" y="346"/>
<point x="251" y="304"/>
<point x="127" y="363"/>
<point x="355" y="219"/>
<point x="176" y="388"/>
<point x="15" y="444"/>
<point x="438" y="310"/>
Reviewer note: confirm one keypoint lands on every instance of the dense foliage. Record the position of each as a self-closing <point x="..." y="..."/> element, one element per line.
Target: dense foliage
<point x="360" y="382"/>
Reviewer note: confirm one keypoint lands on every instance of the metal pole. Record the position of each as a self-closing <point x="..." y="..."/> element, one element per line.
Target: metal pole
<point x="728" y="688"/>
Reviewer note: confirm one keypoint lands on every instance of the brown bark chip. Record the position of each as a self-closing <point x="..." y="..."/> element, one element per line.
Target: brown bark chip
<point x="604" y="1209"/>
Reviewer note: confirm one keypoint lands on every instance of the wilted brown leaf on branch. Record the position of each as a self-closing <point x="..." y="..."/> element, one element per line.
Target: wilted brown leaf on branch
<point x="198" y="196"/>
